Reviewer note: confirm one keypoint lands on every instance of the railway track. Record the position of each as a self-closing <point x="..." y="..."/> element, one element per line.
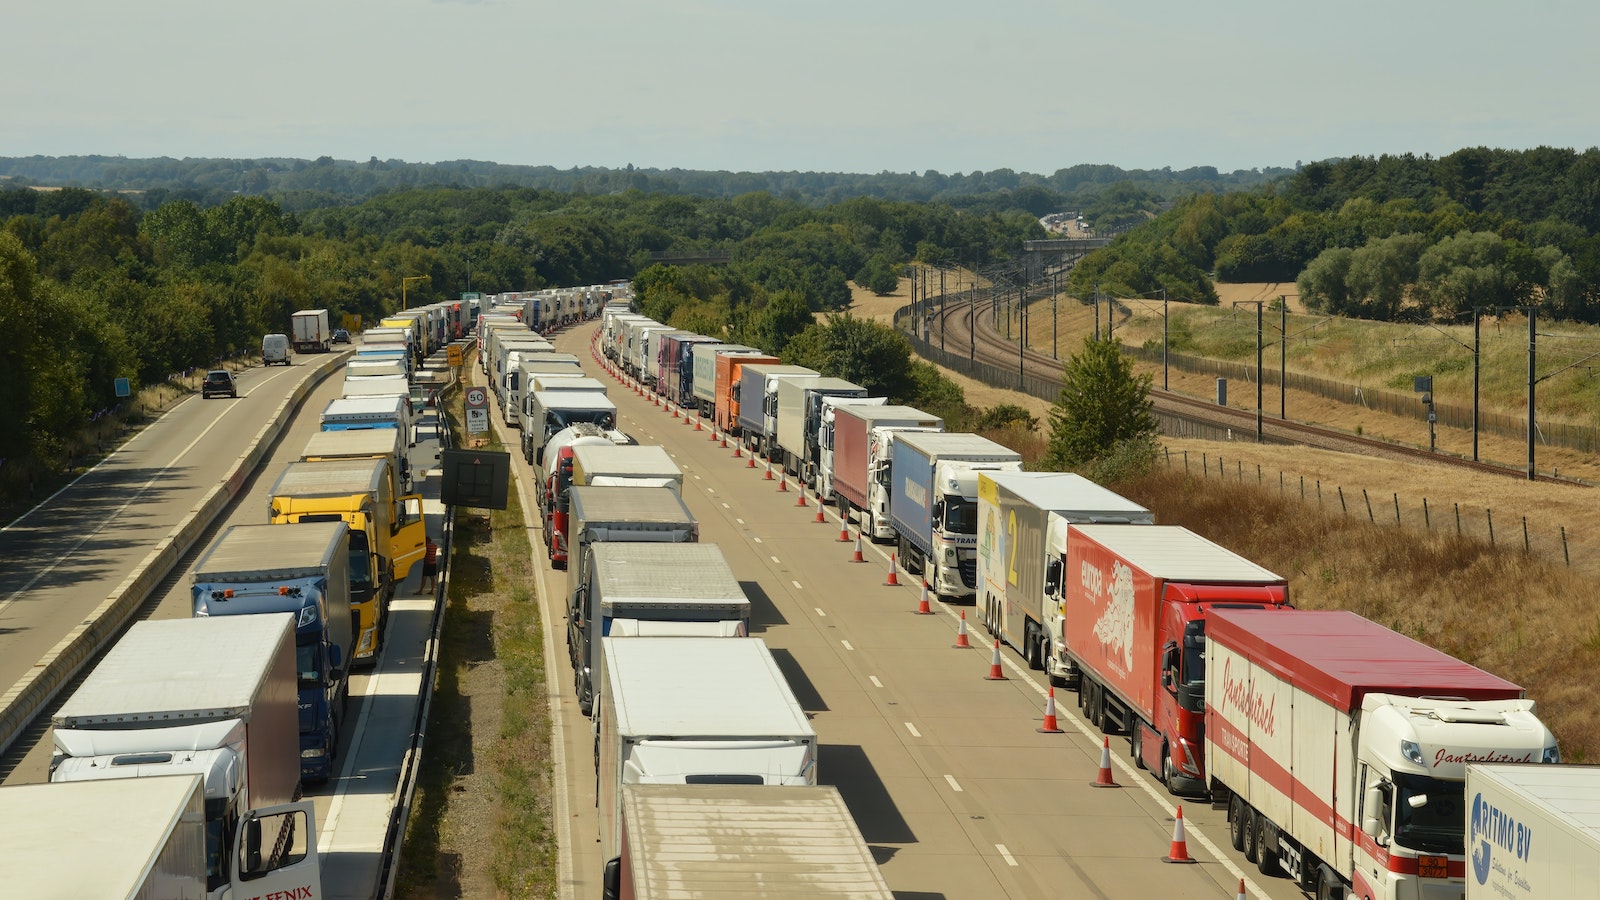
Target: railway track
<point x="997" y="350"/>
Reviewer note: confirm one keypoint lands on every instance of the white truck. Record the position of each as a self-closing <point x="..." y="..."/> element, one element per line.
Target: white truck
<point x="702" y="711"/>
<point x="636" y="465"/>
<point x="550" y="411"/>
<point x="215" y="699"/>
<point x="521" y="365"/>
<point x="727" y="840"/>
<point x="620" y="515"/>
<point x="1022" y="555"/>
<point x="1340" y="749"/>
<point x="655" y="590"/>
<point x="310" y="331"/>
<point x="370" y="367"/>
<point x="375" y="386"/>
<point x="1532" y="831"/>
<point x="857" y="446"/>
<point x="145" y="839"/>
<point x="371" y="411"/>
<point x="933" y="504"/>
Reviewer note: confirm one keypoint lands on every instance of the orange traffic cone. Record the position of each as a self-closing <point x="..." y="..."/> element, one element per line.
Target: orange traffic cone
<point x="923" y="608"/>
<point x="1180" y="847"/>
<point x="737" y="453"/>
<point x="768" y="476"/>
<point x="783" y="485"/>
<point x="820" y="517"/>
<point x="1049" y="726"/>
<point x="894" y="574"/>
<point x="1241" y="894"/>
<point x="800" y="499"/>
<point x="856" y="556"/>
<point x="696" y="423"/>
<point x="961" y="634"/>
<point x="1103" y="778"/>
<point x="995" y="672"/>
<point x="752" y="461"/>
<point x="844" y="531"/>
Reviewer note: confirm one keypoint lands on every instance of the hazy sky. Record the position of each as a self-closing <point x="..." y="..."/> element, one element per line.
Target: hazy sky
<point x="821" y="85"/>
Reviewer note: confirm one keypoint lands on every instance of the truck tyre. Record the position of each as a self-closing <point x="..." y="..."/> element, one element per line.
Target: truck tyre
<point x="1249" y="825"/>
<point x="1136" y="745"/>
<point x="1266" y="848"/>
<point x="1236" y="814"/>
<point x="1329" y="885"/>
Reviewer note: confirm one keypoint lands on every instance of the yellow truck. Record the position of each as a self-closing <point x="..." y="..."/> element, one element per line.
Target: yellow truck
<point x="386" y="529"/>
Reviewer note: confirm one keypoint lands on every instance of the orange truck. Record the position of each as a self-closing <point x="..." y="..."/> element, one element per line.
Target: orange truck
<point x="730" y="366"/>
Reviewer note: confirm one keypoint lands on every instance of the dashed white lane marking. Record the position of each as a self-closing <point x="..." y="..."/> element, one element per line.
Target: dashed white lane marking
<point x="1006" y="854"/>
<point x="820" y="612"/>
<point x="774" y="559"/>
<point x="913" y="729"/>
<point x="757" y="540"/>
<point x="797" y="585"/>
<point x="847" y="645"/>
<point x="875" y="681"/>
<point x="954" y="785"/>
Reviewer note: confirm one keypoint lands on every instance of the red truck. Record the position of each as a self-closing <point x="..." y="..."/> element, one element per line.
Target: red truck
<point x="1135" y="600"/>
<point x="855" y="459"/>
<point x="729" y="367"/>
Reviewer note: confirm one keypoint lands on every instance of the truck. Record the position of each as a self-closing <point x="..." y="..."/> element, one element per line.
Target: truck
<point x="1022" y="553"/>
<point x="702" y="711"/>
<point x="856" y="459"/>
<point x="650" y="589"/>
<point x="757" y="406"/>
<point x="363" y="443"/>
<point x="703" y="387"/>
<point x="678" y="366"/>
<point x="148" y="839"/>
<point x="1340" y="747"/>
<point x="310" y="330"/>
<point x="730" y="369"/>
<point x="550" y="411"/>
<point x="391" y="411"/>
<point x="683" y="840"/>
<point x="800" y="420"/>
<point x="1532" y="831"/>
<point x="387" y="531"/>
<point x="1135" y="600"/>
<point x="555" y="479"/>
<point x="933" y="505"/>
<point x="359" y="367"/>
<point x="521" y="365"/>
<point x="375" y="386"/>
<point x="628" y="465"/>
<point x="302" y="569"/>
<point x="655" y="357"/>
<point x="624" y="515"/>
<point x="190" y="697"/>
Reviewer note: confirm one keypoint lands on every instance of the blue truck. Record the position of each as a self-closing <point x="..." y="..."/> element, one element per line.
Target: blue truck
<point x="933" y="505"/>
<point x="301" y="569"/>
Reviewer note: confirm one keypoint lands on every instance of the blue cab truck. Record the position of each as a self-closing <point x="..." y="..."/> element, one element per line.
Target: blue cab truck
<point x="304" y="569"/>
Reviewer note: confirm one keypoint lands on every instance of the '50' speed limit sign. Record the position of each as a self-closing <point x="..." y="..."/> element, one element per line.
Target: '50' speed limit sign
<point x="477" y="410"/>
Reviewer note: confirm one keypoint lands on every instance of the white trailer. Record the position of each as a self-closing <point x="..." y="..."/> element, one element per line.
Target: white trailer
<point x="1532" y="831"/>
<point x="636" y="465"/>
<point x="310" y="331"/>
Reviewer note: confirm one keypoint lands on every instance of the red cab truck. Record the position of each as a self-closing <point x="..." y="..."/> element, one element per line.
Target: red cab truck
<point x="730" y="368"/>
<point x="1135" y="600"/>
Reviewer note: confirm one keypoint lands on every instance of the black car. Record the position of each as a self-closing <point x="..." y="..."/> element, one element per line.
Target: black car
<point x="341" y="336"/>
<point x="218" y="383"/>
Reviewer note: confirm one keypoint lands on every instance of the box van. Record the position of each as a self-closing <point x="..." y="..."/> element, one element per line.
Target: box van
<point x="275" y="349"/>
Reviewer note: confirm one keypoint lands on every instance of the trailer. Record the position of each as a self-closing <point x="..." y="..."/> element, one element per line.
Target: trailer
<point x="635" y="465"/>
<point x="704" y="384"/>
<point x="1532" y="831"/>
<point x="857" y="461"/>
<point x="933" y="505"/>
<point x="800" y="421"/>
<point x="310" y="331"/>
<point x="730" y="369"/>
<point x="757" y="406"/>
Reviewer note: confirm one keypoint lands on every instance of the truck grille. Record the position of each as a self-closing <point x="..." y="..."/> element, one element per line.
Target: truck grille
<point x="969" y="572"/>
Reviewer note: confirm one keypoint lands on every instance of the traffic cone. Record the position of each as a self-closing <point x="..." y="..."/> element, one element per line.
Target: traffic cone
<point x="995" y="672"/>
<point x="1103" y="778"/>
<point x="1241" y="894"/>
<point x="768" y="476"/>
<point x="922" y="603"/>
<point x="1050" y="726"/>
<point x="737" y="453"/>
<point x="844" y="532"/>
<point x="820" y="517"/>
<point x="1180" y="847"/>
<point x="856" y="556"/>
<point x="894" y="574"/>
<point x="752" y="461"/>
<point x="783" y="485"/>
<point x="800" y="499"/>
<point x="961" y="634"/>
<point x="696" y="422"/>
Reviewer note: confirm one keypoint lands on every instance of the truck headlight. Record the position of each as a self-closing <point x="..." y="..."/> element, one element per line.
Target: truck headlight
<point x="1411" y="751"/>
<point x="1552" y="755"/>
<point x="313" y="753"/>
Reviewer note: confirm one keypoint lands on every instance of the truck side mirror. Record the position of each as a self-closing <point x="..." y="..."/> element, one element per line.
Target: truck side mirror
<point x="1052" y="577"/>
<point x="335" y="657"/>
<point x="1371" y="819"/>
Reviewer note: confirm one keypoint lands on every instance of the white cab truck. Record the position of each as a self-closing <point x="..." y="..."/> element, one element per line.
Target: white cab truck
<point x="740" y="841"/>
<point x="933" y="505"/>
<point x="655" y="590"/>
<point x="800" y="404"/>
<point x="698" y="711"/>
<point x="1532" y="831"/>
<point x="371" y="411"/>
<point x="311" y="331"/>
<point x="145" y="839"/>
<point x="758" y="403"/>
<point x="644" y="515"/>
<point x="1341" y="748"/>
<point x="550" y="411"/>
<point x="857" y="443"/>
<point x="636" y="465"/>
<point x="1022" y="555"/>
<point x="190" y="697"/>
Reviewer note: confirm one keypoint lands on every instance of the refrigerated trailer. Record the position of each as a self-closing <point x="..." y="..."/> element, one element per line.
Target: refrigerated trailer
<point x="1532" y="831"/>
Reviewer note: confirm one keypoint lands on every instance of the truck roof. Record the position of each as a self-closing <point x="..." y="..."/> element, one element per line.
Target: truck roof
<point x="355" y="443"/>
<point x="366" y="405"/>
<point x="561" y="381"/>
<point x="767" y="370"/>
<point x="1340" y="657"/>
<point x="93" y="838"/>
<point x="746" y="841"/>
<point x="198" y="669"/>
<point x="1570" y="793"/>
<point x="644" y="460"/>
<point x="331" y="478"/>
<point x="874" y="416"/>
<point x="617" y="503"/>
<point x="828" y="383"/>
<point x="1061" y="491"/>
<point x="701" y="687"/>
<point x="274" y="552"/>
<point x="1174" y="553"/>
<point x="573" y="400"/>
<point x="957" y="445"/>
<point x="647" y="572"/>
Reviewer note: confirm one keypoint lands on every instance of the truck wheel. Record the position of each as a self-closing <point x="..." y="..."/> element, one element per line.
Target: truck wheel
<point x="1236" y="813"/>
<point x="1329" y="885"/>
<point x="1266" y="848"/>
<point x="1136" y="745"/>
<point x="1249" y="833"/>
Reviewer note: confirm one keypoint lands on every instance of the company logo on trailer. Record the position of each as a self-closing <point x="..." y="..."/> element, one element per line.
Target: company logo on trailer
<point x="1237" y="693"/>
<point x="1114" y="628"/>
<point x="1490" y="827"/>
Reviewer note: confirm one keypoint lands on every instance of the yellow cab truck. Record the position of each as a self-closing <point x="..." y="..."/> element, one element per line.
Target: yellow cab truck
<point x="386" y="527"/>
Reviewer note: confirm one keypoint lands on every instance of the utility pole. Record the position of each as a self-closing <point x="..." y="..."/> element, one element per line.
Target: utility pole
<point x="1533" y="347"/>
<point x="1163" y="339"/>
<point x="1476" y="326"/>
<point x="1258" y="370"/>
<point x="1283" y="357"/>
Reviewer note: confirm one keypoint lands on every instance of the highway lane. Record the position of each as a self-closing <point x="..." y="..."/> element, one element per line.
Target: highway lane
<point x="948" y="779"/>
<point x="63" y="558"/>
<point x="353" y="808"/>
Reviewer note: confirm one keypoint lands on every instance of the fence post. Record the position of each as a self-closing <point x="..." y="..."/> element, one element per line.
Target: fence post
<point x="1342" y="508"/>
<point x="1458" y="520"/>
<point x="1185" y="462"/>
<point x="1488" y="515"/>
<point x="1205" y="465"/>
<point x="1526" y="547"/>
<point x="1564" y="554"/>
<point x="1426" y="522"/>
<point x="1302" y="489"/>
<point x="1319" y="492"/>
<point x="1258" y="474"/>
<point x="1397" y="508"/>
<point x="1368" y="500"/>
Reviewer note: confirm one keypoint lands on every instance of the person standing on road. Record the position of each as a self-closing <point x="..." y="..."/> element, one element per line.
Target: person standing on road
<point x="430" y="567"/>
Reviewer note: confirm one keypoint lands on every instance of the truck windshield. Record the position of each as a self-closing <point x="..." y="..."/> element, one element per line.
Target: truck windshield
<point x="1436" y="827"/>
<point x="557" y="419"/>
<point x="308" y="662"/>
<point x="960" y="515"/>
<point x="360" y="562"/>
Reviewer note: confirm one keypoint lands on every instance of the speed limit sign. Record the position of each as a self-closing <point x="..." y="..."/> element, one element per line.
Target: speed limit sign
<point x="477" y="410"/>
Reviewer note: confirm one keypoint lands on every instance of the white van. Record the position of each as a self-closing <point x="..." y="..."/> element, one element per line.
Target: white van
<point x="275" y="349"/>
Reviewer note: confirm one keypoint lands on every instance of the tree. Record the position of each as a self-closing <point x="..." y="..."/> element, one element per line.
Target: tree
<point x="1103" y="405"/>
